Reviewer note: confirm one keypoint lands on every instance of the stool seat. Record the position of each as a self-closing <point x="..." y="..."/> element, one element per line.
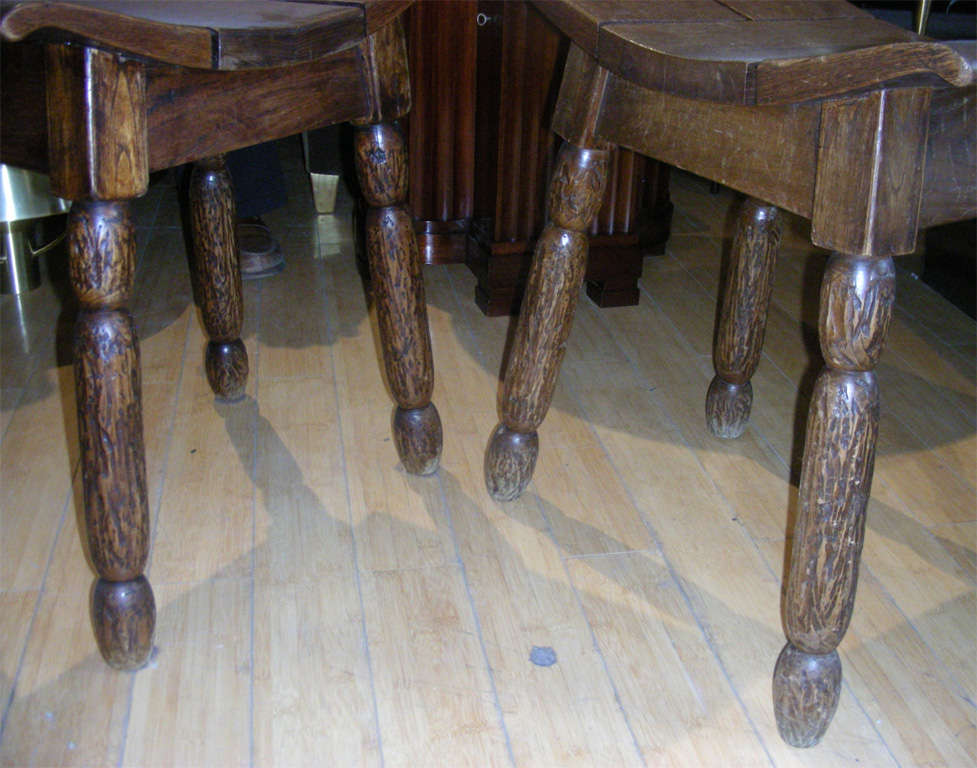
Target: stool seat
<point x="756" y="51"/>
<point x="207" y="35"/>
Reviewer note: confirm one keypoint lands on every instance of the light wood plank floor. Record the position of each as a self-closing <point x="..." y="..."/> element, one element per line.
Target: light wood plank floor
<point x="317" y="606"/>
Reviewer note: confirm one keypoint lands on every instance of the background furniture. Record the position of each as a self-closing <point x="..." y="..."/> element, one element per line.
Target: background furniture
<point x="135" y="87"/>
<point x="814" y="107"/>
<point x="484" y="78"/>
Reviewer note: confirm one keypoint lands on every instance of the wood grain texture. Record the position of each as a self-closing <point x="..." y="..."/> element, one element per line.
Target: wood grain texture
<point x="124" y="619"/>
<point x="807" y="688"/>
<point x="857" y="297"/>
<point x="103" y="236"/>
<point x="775" y="148"/>
<point x="509" y="462"/>
<point x="107" y="386"/>
<point x="380" y="148"/>
<point x="225" y="36"/>
<point x="398" y="291"/>
<point x="836" y="478"/>
<point x="384" y="56"/>
<point x="743" y="317"/>
<point x="418" y="437"/>
<point x="784" y="53"/>
<point x="870" y="172"/>
<point x="97" y="133"/>
<point x="218" y="276"/>
<point x="442" y="43"/>
<point x="951" y="158"/>
<point x="577" y="190"/>
<point x="198" y="113"/>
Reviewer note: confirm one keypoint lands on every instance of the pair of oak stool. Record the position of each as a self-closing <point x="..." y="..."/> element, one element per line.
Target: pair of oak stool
<point x="812" y="107"/>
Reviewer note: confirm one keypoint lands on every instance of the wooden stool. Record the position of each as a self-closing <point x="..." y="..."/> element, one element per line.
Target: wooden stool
<point x="132" y="87"/>
<point x="815" y="107"/>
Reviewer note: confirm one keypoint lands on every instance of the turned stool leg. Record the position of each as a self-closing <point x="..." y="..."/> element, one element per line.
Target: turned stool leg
<point x="218" y="277"/>
<point x="107" y="385"/>
<point x="857" y="295"/>
<point x="398" y="289"/>
<point x="746" y="298"/>
<point x="576" y="192"/>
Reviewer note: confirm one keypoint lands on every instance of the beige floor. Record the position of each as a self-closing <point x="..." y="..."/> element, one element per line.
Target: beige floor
<point x="316" y="606"/>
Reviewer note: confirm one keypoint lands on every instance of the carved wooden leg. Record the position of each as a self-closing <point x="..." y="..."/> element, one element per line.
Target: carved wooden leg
<point x="576" y="192"/>
<point x="739" y="338"/>
<point x="398" y="289"/>
<point x="857" y="295"/>
<point x="102" y="263"/>
<point x="218" y="276"/>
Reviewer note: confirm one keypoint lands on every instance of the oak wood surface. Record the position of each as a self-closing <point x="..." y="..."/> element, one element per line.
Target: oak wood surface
<point x="753" y="53"/>
<point x="227" y="36"/>
<point x="218" y="276"/>
<point x="743" y="317"/>
<point x="97" y="139"/>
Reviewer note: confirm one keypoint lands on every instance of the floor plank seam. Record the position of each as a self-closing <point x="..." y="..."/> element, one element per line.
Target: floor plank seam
<point x="253" y="473"/>
<point x="477" y="622"/>
<point x="707" y="638"/>
<point x="748" y="534"/>
<point x="329" y="300"/>
<point x="566" y="572"/>
<point x="41" y="591"/>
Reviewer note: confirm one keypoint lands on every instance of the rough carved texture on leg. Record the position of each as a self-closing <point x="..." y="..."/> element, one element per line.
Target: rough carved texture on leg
<point x="806" y="689"/>
<point x="398" y="290"/>
<point x="110" y="432"/>
<point x="124" y="619"/>
<point x="743" y="317"/>
<point x="218" y="276"/>
<point x="857" y="295"/>
<point x="417" y="434"/>
<point x="576" y="193"/>
<point x="509" y="462"/>
<point x="728" y="407"/>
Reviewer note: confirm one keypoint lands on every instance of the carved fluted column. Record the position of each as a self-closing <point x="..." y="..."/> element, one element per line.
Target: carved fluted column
<point x="743" y="317"/>
<point x="857" y="295"/>
<point x="575" y="195"/>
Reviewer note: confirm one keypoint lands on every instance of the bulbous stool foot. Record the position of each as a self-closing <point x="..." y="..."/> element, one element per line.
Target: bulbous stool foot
<point x="806" y="689"/>
<point x="124" y="618"/>
<point x="728" y="407"/>
<point x="509" y="462"/>
<point x="417" y="435"/>
<point x="227" y="369"/>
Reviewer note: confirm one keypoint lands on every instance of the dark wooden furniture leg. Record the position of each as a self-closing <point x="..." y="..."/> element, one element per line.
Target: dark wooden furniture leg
<point x="857" y="295"/>
<point x="98" y="157"/>
<point x="107" y="387"/>
<point x="576" y="192"/>
<point x="218" y="276"/>
<point x="743" y="318"/>
<point x="380" y="154"/>
<point x="398" y="289"/>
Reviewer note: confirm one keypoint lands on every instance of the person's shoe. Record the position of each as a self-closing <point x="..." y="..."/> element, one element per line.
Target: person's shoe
<point x="260" y="253"/>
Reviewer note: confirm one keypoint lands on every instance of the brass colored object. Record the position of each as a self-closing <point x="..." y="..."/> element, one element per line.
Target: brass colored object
<point x="24" y="197"/>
